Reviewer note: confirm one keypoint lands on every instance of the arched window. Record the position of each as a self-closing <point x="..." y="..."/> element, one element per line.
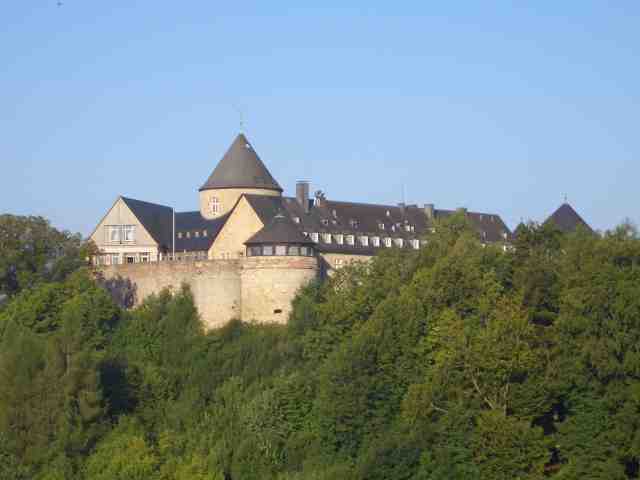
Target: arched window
<point x="216" y="206"/>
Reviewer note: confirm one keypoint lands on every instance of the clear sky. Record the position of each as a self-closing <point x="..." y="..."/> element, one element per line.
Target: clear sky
<point x="498" y="106"/>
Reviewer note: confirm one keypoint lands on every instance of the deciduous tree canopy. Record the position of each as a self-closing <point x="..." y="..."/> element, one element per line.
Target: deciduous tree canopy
<point x="457" y="361"/>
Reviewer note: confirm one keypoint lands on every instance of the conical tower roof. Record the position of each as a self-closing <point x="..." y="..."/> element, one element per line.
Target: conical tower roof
<point x="280" y="230"/>
<point x="566" y="219"/>
<point x="241" y="168"/>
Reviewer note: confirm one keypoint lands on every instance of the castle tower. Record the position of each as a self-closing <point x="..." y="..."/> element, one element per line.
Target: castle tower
<point x="240" y="171"/>
<point x="279" y="261"/>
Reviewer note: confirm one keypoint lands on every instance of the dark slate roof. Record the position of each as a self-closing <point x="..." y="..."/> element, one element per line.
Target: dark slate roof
<point x="193" y="222"/>
<point x="337" y="217"/>
<point x="280" y="230"/>
<point x="266" y="207"/>
<point x="241" y="168"/>
<point x="156" y="219"/>
<point x="489" y="226"/>
<point x="566" y="219"/>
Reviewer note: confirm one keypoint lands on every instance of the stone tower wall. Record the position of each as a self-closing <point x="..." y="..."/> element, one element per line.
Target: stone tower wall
<point x="270" y="283"/>
<point x="256" y="289"/>
<point x="215" y="284"/>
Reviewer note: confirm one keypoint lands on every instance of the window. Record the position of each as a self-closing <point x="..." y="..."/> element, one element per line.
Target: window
<point x="334" y="213"/>
<point x="216" y="205"/>
<point x="388" y="213"/>
<point x="294" y="250"/>
<point x="131" y="258"/>
<point x="338" y="263"/>
<point x="364" y="241"/>
<point x="399" y="242"/>
<point x="197" y="234"/>
<point x="381" y="225"/>
<point x="350" y="240"/>
<point x="415" y="243"/>
<point x="387" y="241"/>
<point x="254" y="251"/>
<point x="267" y="250"/>
<point x="339" y="238"/>
<point x="407" y="228"/>
<point x="354" y="223"/>
<point x="281" y="250"/>
<point x="296" y="219"/>
<point x="304" y="251"/>
<point x="204" y="233"/>
<point x="113" y="233"/>
<point x="129" y="233"/>
<point x="325" y="221"/>
<point x="188" y="234"/>
<point x="144" y="258"/>
<point x="326" y="237"/>
<point x="375" y="241"/>
<point x="179" y="234"/>
<point x="314" y="237"/>
<point x="115" y="259"/>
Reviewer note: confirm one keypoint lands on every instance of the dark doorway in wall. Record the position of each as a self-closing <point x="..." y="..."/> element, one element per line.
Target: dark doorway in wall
<point x="277" y="310"/>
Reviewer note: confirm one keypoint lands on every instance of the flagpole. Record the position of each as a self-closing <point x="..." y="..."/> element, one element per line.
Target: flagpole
<point x="173" y="253"/>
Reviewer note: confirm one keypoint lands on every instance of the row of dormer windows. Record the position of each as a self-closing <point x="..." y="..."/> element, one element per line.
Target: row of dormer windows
<point x="194" y="234"/>
<point x="362" y="240"/>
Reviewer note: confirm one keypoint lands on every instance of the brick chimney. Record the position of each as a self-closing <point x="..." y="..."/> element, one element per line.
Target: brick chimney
<point x="302" y="195"/>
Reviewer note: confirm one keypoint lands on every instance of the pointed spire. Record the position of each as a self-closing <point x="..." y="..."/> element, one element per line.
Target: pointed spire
<point x="567" y="219"/>
<point x="241" y="167"/>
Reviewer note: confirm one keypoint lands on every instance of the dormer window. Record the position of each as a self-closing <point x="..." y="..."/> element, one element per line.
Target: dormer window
<point x="354" y="223"/>
<point x="179" y="234"/>
<point x="204" y="233"/>
<point x="325" y="222"/>
<point x="197" y="234"/>
<point x="296" y="219"/>
<point x="188" y="234"/>
<point x="216" y="205"/>
<point x="334" y="213"/>
<point x="388" y="213"/>
<point x="381" y="225"/>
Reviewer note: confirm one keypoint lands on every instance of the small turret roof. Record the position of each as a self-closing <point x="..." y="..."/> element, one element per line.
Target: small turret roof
<point x="280" y="230"/>
<point x="241" y="167"/>
<point x="567" y="219"/>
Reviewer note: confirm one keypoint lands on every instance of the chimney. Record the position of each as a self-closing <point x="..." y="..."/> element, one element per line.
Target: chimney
<point x="429" y="210"/>
<point x="302" y="195"/>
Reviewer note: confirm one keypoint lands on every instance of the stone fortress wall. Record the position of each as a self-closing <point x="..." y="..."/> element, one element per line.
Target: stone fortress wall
<point x="250" y="289"/>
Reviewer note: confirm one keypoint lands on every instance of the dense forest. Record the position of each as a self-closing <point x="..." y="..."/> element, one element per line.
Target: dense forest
<point x="457" y="361"/>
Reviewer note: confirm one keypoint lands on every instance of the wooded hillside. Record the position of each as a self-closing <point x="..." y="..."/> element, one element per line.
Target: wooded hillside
<point x="457" y="361"/>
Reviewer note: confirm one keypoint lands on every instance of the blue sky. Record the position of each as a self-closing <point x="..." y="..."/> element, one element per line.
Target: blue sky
<point x="496" y="106"/>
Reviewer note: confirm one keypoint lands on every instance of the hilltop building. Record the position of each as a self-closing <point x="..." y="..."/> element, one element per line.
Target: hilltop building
<point x="248" y="248"/>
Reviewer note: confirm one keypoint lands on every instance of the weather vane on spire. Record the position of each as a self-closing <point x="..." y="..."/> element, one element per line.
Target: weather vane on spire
<point x="241" y="115"/>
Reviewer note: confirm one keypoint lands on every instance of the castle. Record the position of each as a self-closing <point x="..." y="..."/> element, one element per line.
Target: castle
<point x="248" y="249"/>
